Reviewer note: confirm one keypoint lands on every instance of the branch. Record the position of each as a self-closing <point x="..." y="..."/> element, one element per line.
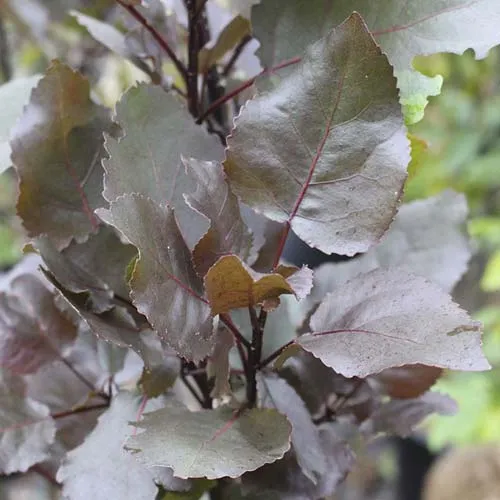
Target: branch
<point x="254" y="355"/>
<point x="83" y="379"/>
<point x="275" y="354"/>
<point x="81" y="409"/>
<point x="5" y="62"/>
<point x="193" y="49"/>
<point x="225" y="98"/>
<point x="154" y="33"/>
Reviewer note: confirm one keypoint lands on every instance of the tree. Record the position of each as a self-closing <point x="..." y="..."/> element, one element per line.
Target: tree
<point x="200" y="360"/>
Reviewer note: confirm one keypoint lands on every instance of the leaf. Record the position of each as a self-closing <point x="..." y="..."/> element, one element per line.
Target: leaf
<point x="419" y="28"/>
<point x="13" y="96"/>
<point x="57" y="150"/>
<point x="427" y="237"/>
<point x="157" y="379"/>
<point x="322" y="388"/>
<point x="274" y="392"/>
<point x="410" y="381"/>
<point x="389" y="318"/>
<point x="218" y="366"/>
<point x="326" y="145"/>
<point x="230" y="284"/>
<point x="96" y="295"/>
<point x="147" y="160"/>
<point x="490" y="281"/>
<point x="285" y="479"/>
<point x="165" y="286"/>
<point x="104" y="256"/>
<point x="26" y="429"/>
<point x="33" y="331"/>
<point x="115" y="325"/>
<point x="213" y="199"/>
<point x="419" y="148"/>
<point x="210" y="443"/>
<point x="416" y="88"/>
<point x="111" y="38"/>
<point x="301" y="280"/>
<point x="235" y="31"/>
<point x="400" y="417"/>
<point x="100" y="468"/>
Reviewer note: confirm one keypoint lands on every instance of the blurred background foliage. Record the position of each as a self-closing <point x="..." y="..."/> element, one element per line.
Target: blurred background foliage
<point x="456" y="145"/>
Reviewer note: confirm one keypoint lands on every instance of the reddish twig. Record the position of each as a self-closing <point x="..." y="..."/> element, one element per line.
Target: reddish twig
<point x="154" y="33"/>
<point x="227" y="97"/>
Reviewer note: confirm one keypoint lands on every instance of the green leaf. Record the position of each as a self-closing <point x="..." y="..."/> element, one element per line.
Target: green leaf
<point x="274" y="392"/>
<point x="425" y="27"/>
<point x="326" y="146"/>
<point x="426" y="236"/>
<point x="26" y="429"/>
<point x="165" y="286"/>
<point x="33" y="330"/>
<point x="57" y="147"/>
<point x="147" y="160"/>
<point x="415" y="89"/>
<point x="401" y="417"/>
<point x="13" y="96"/>
<point x="388" y="318"/>
<point x="210" y="443"/>
<point x="213" y="198"/>
<point x="100" y="468"/>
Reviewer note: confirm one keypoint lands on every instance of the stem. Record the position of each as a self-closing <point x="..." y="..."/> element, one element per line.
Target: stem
<point x="227" y="97"/>
<point x="240" y="339"/>
<point x="254" y="355"/>
<point x="154" y="33"/>
<point x="281" y="244"/>
<point x="200" y="9"/>
<point x="83" y="379"/>
<point x="5" y="62"/>
<point x="275" y="354"/>
<point x="82" y="409"/>
<point x="193" y="49"/>
<point x="236" y="54"/>
<point x="191" y="389"/>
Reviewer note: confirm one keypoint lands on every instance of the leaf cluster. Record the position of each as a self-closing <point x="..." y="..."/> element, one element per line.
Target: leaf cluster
<point x="168" y="348"/>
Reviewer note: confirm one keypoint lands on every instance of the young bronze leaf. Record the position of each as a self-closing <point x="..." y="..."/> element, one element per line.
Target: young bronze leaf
<point x="274" y="392"/>
<point x="402" y="416"/>
<point x="390" y="317"/>
<point x="230" y="284"/>
<point x="147" y="160"/>
<point x="301" y="280"/>
<point x="213" y="198"/>
<point x="33" y="331"/>
<point x="210" y="443"/>
<point x="26" y="429"/>
<point x="427" y="236"/>
<point x="409" y="381"/>
<point x="57" y="147"/>
<point x="100" y="468"/>
<point x="326" y="146"/>
<point x="165" y="286"/>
